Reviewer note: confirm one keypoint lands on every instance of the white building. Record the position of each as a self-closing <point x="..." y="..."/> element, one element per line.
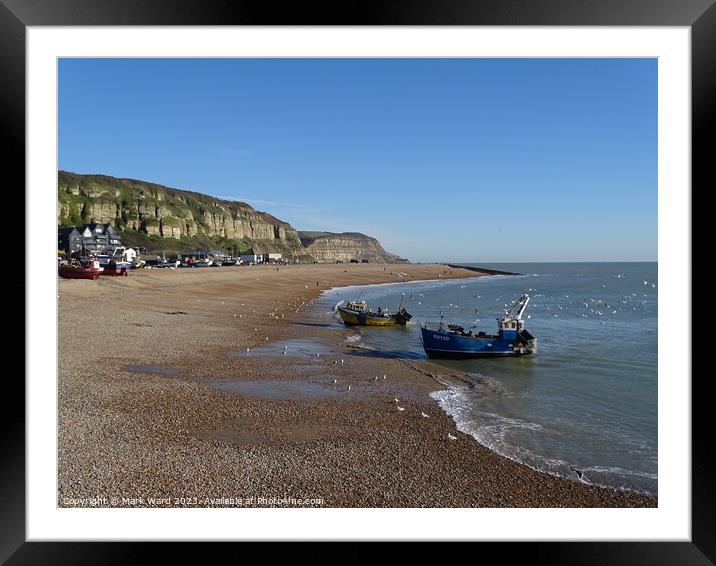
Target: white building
<point x="130" y="254"/>
<point x="124" y="254"/>
<point x="271" y="258"/>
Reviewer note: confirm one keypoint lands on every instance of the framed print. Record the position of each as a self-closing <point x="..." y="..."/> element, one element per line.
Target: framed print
<point x="312" y="226"/>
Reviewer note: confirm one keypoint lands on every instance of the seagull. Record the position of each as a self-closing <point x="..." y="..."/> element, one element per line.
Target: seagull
<point x="247" y="351"/>
<point x="349" y="388"/>
<point x="401" y="408"/>
<point x="581" y="476"/>
<point x="395" y="399"/>
<point x="375" y="378"/>
<point x="423" y="415"/>
<point x="451" y="437"/>
<point x="335" y="381"/>
<point x="341" y="360"/>
<point x="384" y="376"/>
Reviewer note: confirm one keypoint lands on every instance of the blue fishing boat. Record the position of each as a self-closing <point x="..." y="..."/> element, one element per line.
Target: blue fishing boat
<point x="452" y="341"/>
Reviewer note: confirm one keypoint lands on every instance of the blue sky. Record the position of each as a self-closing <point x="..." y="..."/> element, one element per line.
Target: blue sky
<point x="480" y="160"/>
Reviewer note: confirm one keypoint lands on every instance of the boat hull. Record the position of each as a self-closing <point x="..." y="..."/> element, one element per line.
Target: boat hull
<point x="354" y="318"/>
<point x="114" y="272"/>
<point x="71" y="272"/>
<point x="442" y="344"/>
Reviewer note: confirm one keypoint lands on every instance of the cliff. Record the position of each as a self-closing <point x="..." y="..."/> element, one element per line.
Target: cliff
<point x="327" y="247"/>
<point x="162" y="217"/>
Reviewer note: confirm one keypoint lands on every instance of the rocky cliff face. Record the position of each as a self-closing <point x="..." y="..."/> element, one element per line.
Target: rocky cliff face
<point x="329" y="248"/>
<point x="163" y="211"/>
<point x="167" y="213"/>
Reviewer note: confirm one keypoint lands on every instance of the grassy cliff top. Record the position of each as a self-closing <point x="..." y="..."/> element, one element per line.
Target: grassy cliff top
<point x="93" y="183"/>
<point x="315" y="234"/>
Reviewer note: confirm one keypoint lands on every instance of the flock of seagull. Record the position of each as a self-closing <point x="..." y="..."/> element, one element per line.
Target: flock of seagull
<point x="593" y="307"/>
<point x="596" y="307"/>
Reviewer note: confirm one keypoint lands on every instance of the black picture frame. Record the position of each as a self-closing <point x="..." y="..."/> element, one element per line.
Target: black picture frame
<point x="699" y="15"/>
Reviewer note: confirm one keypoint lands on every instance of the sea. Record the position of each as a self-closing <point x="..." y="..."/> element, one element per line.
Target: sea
<point x="586" y="400"/>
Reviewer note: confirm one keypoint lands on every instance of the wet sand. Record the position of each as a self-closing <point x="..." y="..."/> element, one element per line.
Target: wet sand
<point x="159" y="398"/>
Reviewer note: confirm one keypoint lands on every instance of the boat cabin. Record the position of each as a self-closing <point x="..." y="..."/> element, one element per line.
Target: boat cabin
<point x="509" y="327"/>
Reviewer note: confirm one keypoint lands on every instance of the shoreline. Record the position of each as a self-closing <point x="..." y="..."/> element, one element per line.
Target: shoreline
<point x="324" y="293"/>
<point x="464" y="378"/>
<point x="153" y="434"/>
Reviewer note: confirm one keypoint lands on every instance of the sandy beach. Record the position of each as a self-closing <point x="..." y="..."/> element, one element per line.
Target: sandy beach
<point x="161" y="404"/>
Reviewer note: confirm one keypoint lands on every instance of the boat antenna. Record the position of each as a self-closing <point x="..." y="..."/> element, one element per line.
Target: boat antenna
<point x="441" y="320"/>
<point x="400" y="306"/>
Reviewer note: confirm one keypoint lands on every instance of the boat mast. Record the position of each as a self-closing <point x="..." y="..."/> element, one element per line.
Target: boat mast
<point x="518" y="307"/>
<point x="525" y="298"/>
